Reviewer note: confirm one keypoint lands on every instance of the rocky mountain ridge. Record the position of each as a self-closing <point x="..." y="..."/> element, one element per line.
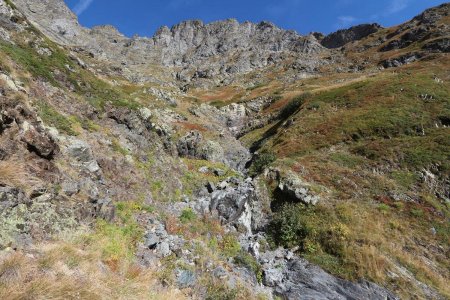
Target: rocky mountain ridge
<point x="192" y="49"/>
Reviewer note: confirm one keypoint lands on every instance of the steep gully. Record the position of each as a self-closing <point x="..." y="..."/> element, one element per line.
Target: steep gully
<point x="243" y="206"/>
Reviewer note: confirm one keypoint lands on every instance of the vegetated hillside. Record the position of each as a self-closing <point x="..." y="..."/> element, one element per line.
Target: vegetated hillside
<point x="130" y="170"/>
<point x="377" y="151"/>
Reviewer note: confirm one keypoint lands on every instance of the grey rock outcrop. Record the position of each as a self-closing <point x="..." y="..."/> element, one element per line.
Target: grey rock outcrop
<point x="158" y="243"/>
<point x="438" y="45"/>
<point x="292" y="277"/>
<point x="189" y="144"/>
<point x="82" y="154"/>
<point x="29" y="218"/>
<point x="402" y="60"/>
<point x="342" y="37"/>
<point x="232" y="203"/>
<point x="295" y="188"/>
<point x="421" y="28"/>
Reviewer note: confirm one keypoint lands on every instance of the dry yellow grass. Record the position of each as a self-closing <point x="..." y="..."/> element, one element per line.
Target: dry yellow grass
<point x="65" y="270"/>
<point x="13" y="173"/>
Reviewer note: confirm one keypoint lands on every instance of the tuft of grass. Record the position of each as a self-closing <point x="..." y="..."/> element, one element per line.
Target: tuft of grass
<point x="82" y="273"/>
<point x="346" y="160"/>
<point x="246" y="260"/>
<point x="256" y="86"/>
<point x="13" y="173"/>
<point x="218" y="291"/>
<point x="52" y="117"/>
<point x="230" y="246"/>
<point x="118" y="241"/>
<point x="187" y="215"/>
<point x="405" y="179"/>
<point x="118" y="148"/>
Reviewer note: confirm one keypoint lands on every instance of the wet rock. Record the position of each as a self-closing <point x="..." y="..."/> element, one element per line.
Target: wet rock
<point x="298" y="279"/>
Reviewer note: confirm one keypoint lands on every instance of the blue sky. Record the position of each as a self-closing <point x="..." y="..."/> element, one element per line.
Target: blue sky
<point x="144" y="17"/>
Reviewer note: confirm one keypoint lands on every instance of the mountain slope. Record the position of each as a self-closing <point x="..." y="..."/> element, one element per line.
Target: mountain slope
<point x="222" y="160"/>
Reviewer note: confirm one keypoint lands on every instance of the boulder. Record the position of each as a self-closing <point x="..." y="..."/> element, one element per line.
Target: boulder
<point x="82" y="153"/>
<point x="39" y="142"/>
<point x="188" y="145"/>
<point x="70" y="187"/>
<point x="294" y="187"/>
<point x="103" y="209"/>
<point x="186" y="278"/>
<point x="10" y="197"/>
<point x="212" y="151"/>
<point x="232" y="203"/>
<point x="401" y="60"/>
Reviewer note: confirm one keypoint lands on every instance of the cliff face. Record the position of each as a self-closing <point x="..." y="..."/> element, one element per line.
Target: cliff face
<point x="192" y="49"/>
<point x="340" y="38"/>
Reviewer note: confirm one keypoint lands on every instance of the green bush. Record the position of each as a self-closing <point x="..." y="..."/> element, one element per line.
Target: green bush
<point x="313" y="229"/>
<point x="314" y="105"/>
<point x="417" y="212"/>
<point x="187" y="215"/>
<point x="261" y="161"/>
<point x="230" y="246"/>
<point x="218" y="103"/>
